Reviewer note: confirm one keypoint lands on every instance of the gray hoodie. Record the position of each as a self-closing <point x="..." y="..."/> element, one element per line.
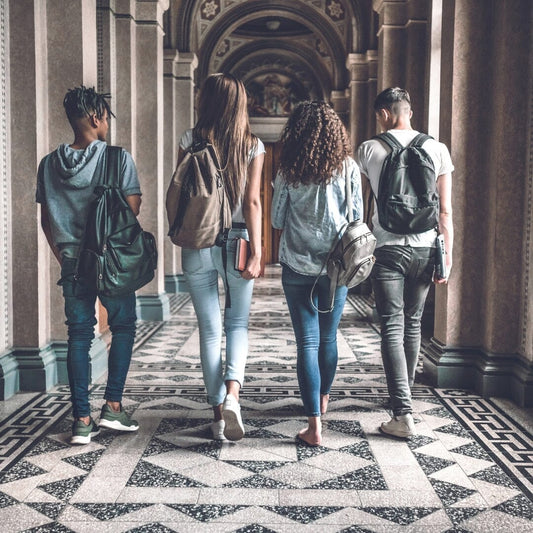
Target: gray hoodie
<point x="65" y="184"/>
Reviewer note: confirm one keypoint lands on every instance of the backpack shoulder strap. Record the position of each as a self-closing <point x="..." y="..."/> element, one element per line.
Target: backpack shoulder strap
<point x="389" y="139"/>
<point x="419" y="140"/>
<point x="112" y="172"/>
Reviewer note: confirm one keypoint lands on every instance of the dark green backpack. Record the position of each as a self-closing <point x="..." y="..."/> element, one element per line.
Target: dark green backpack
<point x="116" y="256"/>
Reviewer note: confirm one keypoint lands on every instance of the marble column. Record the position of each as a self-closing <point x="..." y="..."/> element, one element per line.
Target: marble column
<point x="362" y="68"/>
<point x="179" y="116"/>
<point x="432" y="116"/>
<point x="417" y="64"/>
<point x="72" y="52"/>
<point x="372" y="92"/>
<point x="357" y="65"/>
<point x="478" y="336"/>
<point x="392" y="43"/>
<point x="50" y="58"/>
<point x="124" y="99"/>
<point x="526" y="315"/>
<point x="340" y="101"/>
<point x="152" y="301"/>
<point x="107" y="56"/>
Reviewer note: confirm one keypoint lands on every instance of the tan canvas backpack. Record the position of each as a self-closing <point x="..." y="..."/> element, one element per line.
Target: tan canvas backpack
<point x="198" y="209"/>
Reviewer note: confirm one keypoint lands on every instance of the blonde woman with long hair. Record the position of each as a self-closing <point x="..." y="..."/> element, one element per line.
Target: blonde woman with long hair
<point x="223" y="121"/>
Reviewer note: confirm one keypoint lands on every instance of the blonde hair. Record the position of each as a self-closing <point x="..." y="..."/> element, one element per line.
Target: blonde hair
<point x="223" y="121"/>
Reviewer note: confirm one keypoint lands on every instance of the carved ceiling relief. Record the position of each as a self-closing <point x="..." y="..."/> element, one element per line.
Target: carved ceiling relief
<point x="227" y="46"/>
<point x="208" y="11"/>
<point x="285" y="71"/>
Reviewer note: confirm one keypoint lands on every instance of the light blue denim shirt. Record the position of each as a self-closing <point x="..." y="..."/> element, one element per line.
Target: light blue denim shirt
<point x="311" y="217"/>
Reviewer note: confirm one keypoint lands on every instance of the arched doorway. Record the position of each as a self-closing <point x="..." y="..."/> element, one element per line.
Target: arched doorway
<point x="284" y="52"/>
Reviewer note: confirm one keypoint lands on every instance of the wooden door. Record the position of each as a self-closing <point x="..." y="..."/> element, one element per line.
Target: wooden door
<point x="270" y="235"/>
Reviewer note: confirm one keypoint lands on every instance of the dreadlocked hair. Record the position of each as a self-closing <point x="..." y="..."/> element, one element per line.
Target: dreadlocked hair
<point x="314" y="144"/>
<point x="84" y="101"/>
<point x="223" y="121"/>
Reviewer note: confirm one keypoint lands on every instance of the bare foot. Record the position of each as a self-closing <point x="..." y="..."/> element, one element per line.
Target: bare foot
<point x="324" y="399"/>
<point x="310" y="437"/>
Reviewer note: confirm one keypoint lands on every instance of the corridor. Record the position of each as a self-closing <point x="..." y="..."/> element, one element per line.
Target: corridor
<point x="469" y="469"/>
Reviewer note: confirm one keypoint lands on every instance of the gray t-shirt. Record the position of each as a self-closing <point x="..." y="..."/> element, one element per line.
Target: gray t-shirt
<point x="65" y="183"/>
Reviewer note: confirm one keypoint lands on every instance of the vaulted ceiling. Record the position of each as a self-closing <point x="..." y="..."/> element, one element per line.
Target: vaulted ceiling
<point x="299" y="45"/>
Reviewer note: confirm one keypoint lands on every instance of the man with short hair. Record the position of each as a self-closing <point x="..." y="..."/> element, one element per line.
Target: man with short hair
<point x="65" y="189"/>
<point x="404" y="266"/>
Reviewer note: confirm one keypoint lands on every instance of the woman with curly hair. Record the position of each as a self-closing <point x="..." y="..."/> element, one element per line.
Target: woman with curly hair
<point x="309" y="205"/>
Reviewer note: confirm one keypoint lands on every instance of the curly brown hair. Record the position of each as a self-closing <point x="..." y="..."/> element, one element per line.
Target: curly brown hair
<point x="314" y="144"/>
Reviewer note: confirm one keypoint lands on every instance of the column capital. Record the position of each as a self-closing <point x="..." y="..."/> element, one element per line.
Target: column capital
<point x="179" y="64"/>
<point x="391" y="12"/>
<point x="341" y="102"/>
<point x="151" y="10"/>
<point x="372" y="59"/>
<point x="357" y="64"/>
<point x="186" y="65"/>
<point x="125" y="7"/>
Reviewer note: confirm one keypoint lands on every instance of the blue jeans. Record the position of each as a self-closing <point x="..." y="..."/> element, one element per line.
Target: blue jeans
<point x="201" y="269"/>
<point x="401" y="279"/>
<point x="81" y="319"/>
<point x="316" y="334"/>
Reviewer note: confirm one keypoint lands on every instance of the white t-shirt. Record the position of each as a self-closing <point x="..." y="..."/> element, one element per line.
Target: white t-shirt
<point x="370" y="157"/>
<point x="186" y="142"/>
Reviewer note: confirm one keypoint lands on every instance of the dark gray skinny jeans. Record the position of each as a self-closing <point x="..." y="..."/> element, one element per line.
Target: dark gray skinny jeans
<point x="401" y="279"/>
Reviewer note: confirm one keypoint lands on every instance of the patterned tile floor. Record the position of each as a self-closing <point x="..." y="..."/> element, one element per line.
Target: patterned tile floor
<point x="469" y="469"/>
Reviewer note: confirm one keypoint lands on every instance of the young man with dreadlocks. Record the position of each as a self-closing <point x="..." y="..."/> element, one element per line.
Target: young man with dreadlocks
<point x="65" y="184"/>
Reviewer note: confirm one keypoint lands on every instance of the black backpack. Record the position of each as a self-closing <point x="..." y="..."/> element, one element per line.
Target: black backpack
<point x="407" y="201"/>
<point x="116" y="256"/>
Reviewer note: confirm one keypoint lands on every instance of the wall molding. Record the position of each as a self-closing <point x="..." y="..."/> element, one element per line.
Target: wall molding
<point x="153" y="307"/>
<point x="489" y="375"/>
<point x="9" y="375"/>
<point x="175" y="283"/>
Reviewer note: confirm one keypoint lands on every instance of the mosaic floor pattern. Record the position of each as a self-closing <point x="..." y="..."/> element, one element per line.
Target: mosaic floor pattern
<point x="469" y="469"/>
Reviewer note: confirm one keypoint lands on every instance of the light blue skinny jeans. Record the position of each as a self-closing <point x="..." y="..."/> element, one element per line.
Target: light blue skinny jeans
<point x="316" y="334"/>
<point x="201" y="269"/>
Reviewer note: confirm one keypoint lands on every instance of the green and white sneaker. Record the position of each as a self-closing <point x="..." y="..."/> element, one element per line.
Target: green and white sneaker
<point x="119" y="421"/>
<point x="82" y="433"/>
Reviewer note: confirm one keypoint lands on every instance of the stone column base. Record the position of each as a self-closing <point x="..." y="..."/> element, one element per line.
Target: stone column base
<point x="175" y="283"/>
<point x="37" y="368"/>
<point x="509" y="376"/>
<point x="97" y="360"/>
<point x="153" y="307"/>
<point x="9" y="376"/>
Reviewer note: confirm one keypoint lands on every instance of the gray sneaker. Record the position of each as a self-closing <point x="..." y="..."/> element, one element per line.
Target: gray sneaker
<point x="400" y="426"/>
<point x="119" y="421"/>
<point x="82" y="433"/>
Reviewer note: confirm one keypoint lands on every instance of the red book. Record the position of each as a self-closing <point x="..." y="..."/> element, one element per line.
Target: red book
<point x="243" y="252"/>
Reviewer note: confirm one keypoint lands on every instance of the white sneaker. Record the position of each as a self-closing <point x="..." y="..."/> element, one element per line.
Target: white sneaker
<point x="399" y="426"/>
<point x="231" y="413"/>
<point x="217" y="428"/>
